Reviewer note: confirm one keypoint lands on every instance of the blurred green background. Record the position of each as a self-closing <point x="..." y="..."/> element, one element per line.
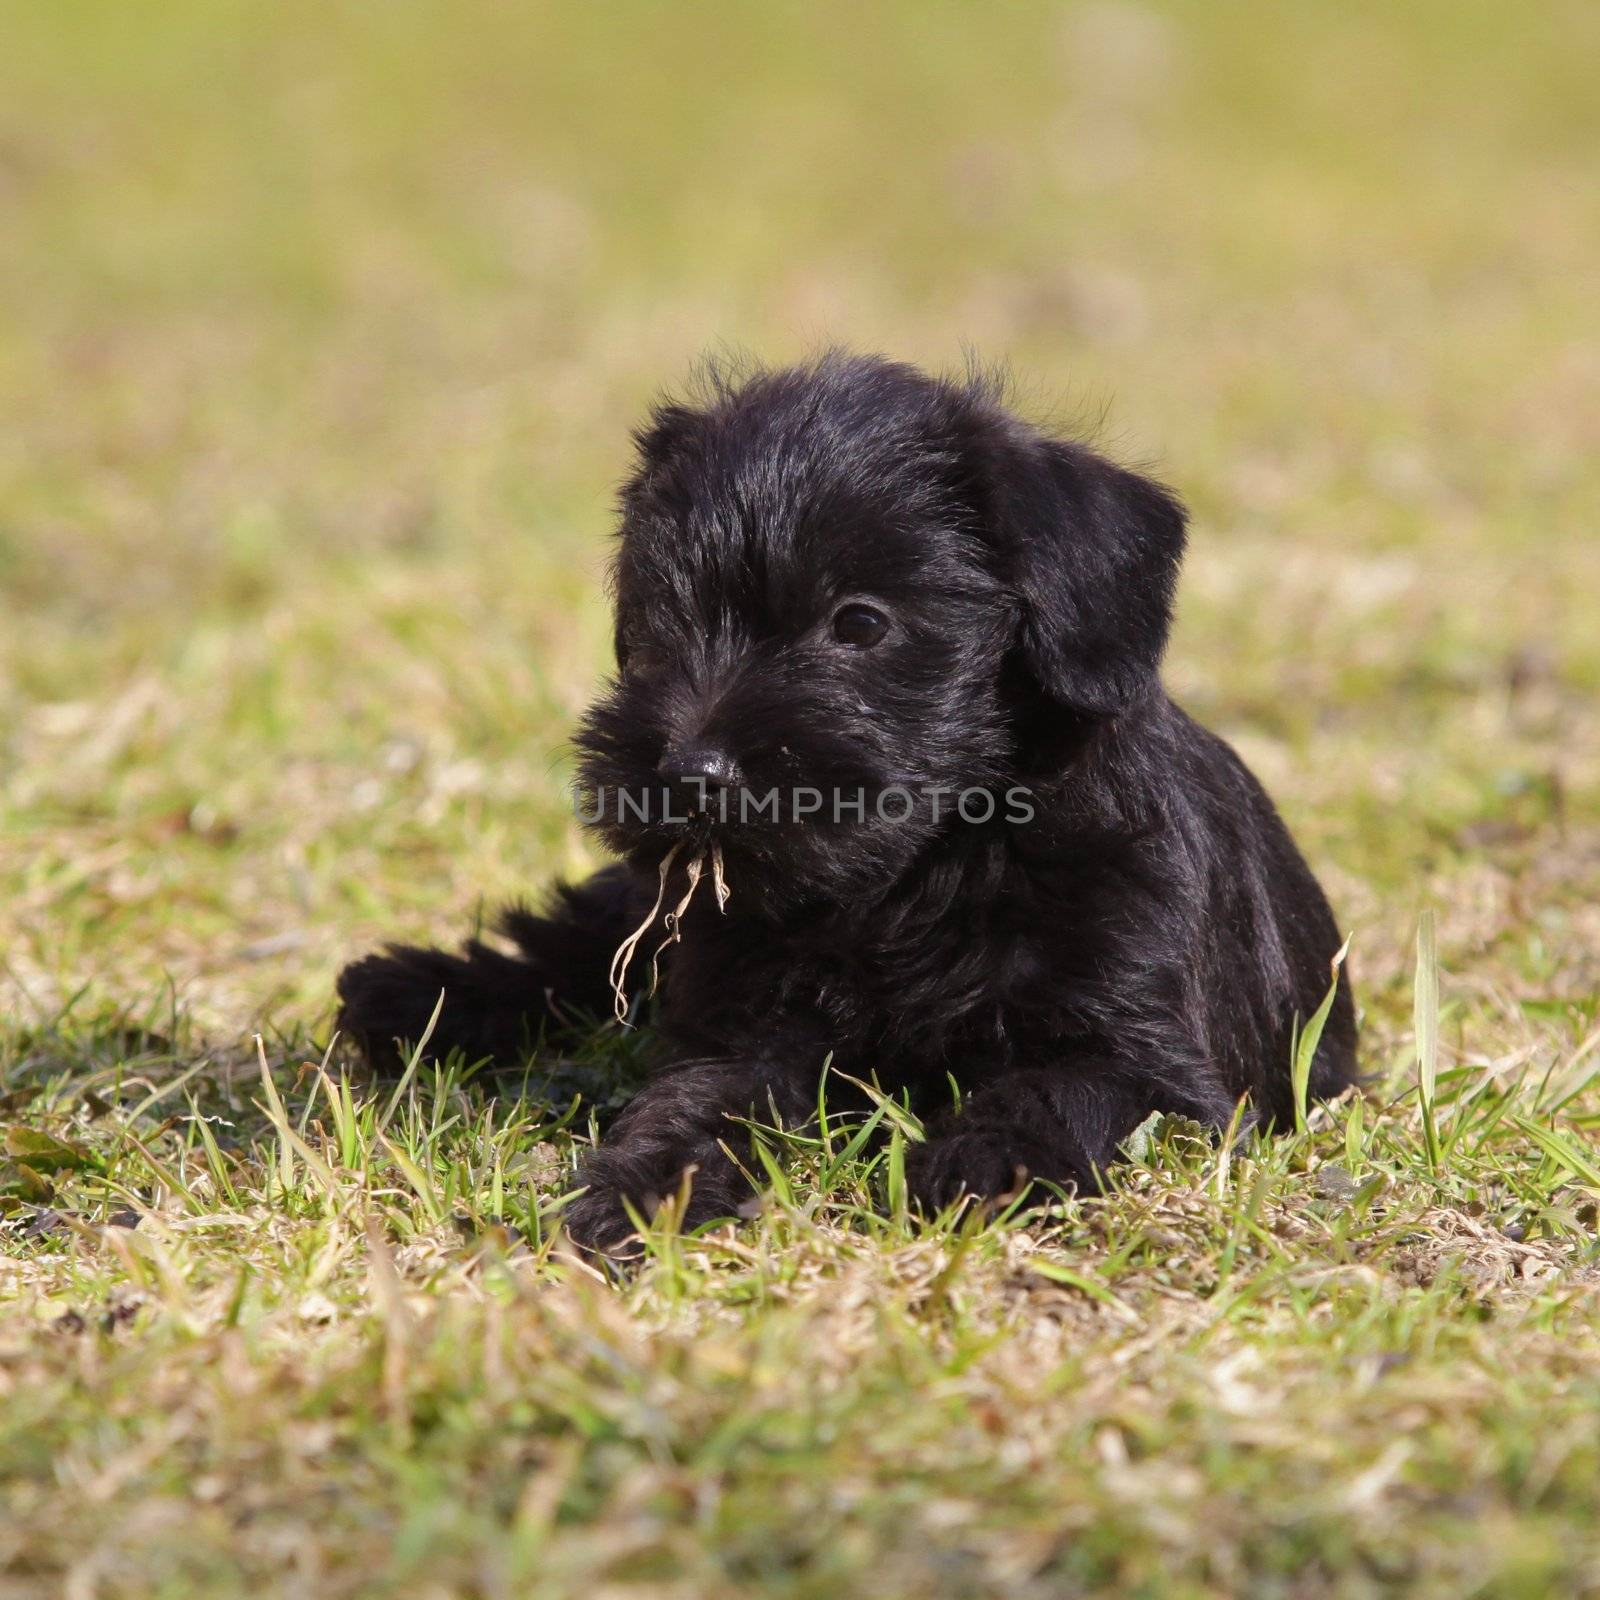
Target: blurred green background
<point x="322" y="328"/>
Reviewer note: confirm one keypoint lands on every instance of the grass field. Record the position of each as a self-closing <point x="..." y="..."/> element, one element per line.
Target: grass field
<point x="321" y="330"/>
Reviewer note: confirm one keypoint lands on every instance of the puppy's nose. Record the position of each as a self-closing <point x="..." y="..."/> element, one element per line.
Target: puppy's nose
<point x="700" y="764"/>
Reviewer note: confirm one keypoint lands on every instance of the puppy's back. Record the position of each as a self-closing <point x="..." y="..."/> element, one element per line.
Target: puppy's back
<point x="1268" y="936"/>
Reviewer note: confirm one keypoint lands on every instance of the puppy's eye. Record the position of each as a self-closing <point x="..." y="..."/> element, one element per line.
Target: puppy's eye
<point x="859" y="625"/>
<point x="637" y="653"/>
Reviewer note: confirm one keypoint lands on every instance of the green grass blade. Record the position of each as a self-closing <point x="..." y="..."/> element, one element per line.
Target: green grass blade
<point x="1563" y="1151"/>
<point x="412" y="1063"/>
<point x="1309" y="1037"/>
<point x="896" y="1175"/>
<point x="1425" y="1011"/>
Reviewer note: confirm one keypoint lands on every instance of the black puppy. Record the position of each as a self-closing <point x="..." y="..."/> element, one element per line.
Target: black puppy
<point x="887" y="668"/>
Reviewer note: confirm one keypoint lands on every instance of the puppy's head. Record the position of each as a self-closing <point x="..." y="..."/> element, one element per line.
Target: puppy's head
<point x="855" y="582"/>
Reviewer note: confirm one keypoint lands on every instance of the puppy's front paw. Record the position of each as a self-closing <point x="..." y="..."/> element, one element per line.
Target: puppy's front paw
<point x="979" y="1163"/>
<point x="494" y="1005"/>
<point x="385" y="999"/>
<point x="599" y="1219"/>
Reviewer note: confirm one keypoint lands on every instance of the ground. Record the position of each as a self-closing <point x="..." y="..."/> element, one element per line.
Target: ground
<point x="323" y="332"/>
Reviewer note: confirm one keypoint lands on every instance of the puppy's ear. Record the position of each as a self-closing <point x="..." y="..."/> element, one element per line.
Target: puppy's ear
<point x="669" y="434"/>
<point x="658" y="486"/>
<point x="1090" y="551"/>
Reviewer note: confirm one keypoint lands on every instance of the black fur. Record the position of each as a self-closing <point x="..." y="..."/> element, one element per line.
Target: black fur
<point x="1145" y="942"/>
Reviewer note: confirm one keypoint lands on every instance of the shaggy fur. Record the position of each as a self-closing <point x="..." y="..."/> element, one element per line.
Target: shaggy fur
<point x="1145" y="942"/>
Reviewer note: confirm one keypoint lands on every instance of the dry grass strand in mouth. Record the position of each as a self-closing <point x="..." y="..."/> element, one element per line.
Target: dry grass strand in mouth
<point x="673" y="921"/>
